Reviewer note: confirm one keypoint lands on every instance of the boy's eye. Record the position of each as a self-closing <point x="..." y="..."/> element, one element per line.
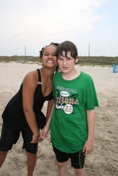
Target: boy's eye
<point x="69" y="58"/>
<point x="60" y="58"/>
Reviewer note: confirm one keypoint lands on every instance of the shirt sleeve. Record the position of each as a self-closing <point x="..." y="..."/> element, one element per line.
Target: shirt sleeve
<point x="91" y="95"/>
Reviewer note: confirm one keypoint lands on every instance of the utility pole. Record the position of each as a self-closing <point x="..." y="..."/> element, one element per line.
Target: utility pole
<point x="25" y="50"/>
<point x="89" y="50"/>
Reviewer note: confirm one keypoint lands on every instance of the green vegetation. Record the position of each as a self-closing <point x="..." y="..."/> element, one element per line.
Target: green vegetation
<point x="22" y="59"/>
<point x="98" y="60"/>
<point x="83" y="60"/>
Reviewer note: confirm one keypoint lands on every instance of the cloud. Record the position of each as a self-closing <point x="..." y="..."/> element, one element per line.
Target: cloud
<point x="36" y="23"/>
<point x="53" y="16"/>
<point x="67" y="15"/>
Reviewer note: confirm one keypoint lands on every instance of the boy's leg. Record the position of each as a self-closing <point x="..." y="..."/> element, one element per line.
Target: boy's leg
<point x="31" y="162"/>
<point x="80" y="172"/>
<point x="62" y="168"/>
<point x="62" y="161"/>
<point x="77" y="161"/>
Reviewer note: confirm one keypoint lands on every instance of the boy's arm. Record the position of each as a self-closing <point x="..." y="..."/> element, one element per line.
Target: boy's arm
<point x="88" y="147"/>
<point x="49" y="109"/>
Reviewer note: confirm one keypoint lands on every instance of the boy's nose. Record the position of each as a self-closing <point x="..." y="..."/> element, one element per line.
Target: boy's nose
<point x="64" y="61"/>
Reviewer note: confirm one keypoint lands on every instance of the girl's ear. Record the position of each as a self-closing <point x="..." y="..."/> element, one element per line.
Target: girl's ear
<point x="77" y="59"/>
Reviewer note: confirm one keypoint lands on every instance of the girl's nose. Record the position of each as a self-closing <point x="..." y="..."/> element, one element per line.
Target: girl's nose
<point x="50" y="56"/>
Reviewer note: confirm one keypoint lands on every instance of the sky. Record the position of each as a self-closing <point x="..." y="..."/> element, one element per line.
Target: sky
<point x="28" y="25"/>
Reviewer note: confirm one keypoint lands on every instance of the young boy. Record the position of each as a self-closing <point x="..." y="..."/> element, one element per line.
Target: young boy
<point x="73" y="116"/>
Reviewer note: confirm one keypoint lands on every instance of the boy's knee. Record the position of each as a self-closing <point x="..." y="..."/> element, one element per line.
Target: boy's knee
<point x="80" y="172"/>
<point x="64" y="164"/>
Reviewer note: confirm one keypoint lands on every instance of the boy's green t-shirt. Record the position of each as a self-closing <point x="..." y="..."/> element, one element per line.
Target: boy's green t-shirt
<point x="69" y="129"/>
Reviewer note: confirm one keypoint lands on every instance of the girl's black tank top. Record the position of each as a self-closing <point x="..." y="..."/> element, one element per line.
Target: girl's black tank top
<point x="13" y="115"/>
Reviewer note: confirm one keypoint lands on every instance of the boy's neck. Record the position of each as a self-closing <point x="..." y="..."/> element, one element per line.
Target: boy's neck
<point x="71" y="75"/>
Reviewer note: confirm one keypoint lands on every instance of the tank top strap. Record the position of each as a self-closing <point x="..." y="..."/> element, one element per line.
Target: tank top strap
<point x="39" y="77"/>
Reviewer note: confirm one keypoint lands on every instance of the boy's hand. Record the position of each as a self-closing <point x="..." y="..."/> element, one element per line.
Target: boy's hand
<point x="88" y="147"/>
<point x="43" y="134"/>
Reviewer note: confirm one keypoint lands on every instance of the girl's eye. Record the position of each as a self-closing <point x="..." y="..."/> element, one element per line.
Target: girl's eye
<point x="47" y="54"/>
<point x="54" y="54"/>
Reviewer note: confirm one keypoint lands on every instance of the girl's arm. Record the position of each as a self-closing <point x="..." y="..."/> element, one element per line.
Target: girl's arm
<point x="29" y="86"/>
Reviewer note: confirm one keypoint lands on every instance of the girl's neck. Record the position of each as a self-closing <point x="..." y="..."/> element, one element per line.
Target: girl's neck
<point x="47" y="72"/>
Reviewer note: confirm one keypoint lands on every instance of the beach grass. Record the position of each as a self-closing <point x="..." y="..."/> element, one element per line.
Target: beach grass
<point x="83" y="60"/>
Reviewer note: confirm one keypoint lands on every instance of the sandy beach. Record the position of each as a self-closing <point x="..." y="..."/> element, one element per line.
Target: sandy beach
<point x="104" y="159"/>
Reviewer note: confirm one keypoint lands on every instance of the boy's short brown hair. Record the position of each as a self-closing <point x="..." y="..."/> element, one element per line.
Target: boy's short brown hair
<point x="67" y="46"/>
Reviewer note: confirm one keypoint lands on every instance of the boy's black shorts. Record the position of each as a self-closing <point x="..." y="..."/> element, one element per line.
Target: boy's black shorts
<point x="77" y="159"/>
<point x="10" y="137"/>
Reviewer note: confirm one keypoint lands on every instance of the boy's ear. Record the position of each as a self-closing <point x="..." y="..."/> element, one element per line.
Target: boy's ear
<point x="77" y="59"/>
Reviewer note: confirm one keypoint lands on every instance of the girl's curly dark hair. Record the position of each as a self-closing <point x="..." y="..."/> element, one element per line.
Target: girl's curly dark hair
<point x="42" y="50"/>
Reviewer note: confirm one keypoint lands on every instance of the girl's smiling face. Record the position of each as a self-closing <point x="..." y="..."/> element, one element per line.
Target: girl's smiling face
<point x="49" y="59"/>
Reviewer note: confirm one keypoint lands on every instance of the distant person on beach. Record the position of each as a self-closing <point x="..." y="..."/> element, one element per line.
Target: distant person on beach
<point x="73" y="113"/>
<point x="23" y="112"/>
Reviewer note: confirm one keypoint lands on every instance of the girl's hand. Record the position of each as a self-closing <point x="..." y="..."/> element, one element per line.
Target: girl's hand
<point x="35" y="138"/>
